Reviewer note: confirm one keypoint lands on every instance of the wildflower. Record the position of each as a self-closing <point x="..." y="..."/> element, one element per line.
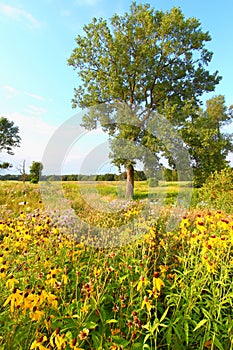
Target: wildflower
<point x="96" y="272"/>
<point x="38" y="344"/>
<point x="200" y="226"/>
<point x="146" y="302"/>
<point x="2" y="272"/>
<point x="65" y="278"/>
<point x="137" y="322"/>
<point x="129" y="324"/>
<point x="52" y="300"/>
<point x="14" y="299"/>
<point x="115" y="308"/>
<point x="87" y="289"/>
<point x="115" y="331"/>
<point x="58" y="340"/>
<point x="157" y="282"/>
<point x="51" y="280"/>
<point x="10" y="283"/>
<point x="83" y="334"/>
<point x="142" y="281"/>
<point x="84" y="309"/>
<point x="36" y="314"/>
<point x="73" y="344"/>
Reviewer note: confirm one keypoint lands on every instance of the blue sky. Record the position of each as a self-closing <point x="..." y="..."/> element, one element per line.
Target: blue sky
<point x="36" y="84"/>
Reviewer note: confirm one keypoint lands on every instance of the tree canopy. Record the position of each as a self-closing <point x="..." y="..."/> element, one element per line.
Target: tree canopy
<point x="9" y="138"/>
<point x="208" y="144"/>
<point x="151" y="61"/>
<point x="35" y="171"/>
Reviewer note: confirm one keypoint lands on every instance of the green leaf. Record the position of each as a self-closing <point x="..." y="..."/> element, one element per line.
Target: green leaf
<point x="200" y="324"/>
<point x="111" y="321"/>
<point x="137" y="346"/>
<point x="164" y="314"/>
<point x="218" y="344"/>
<point x="91" y="325"/>
<point x="96" y="341"/>
<point x="169" y="336"/>
<point x="147" y="337"/>
<point x="120" y="341"/>
<point x="186" y="330"/>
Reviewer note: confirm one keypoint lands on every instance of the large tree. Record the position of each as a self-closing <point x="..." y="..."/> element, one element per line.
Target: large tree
<point x="206" y="139"/>
<point x="9" y="138"/>
<point x="153" y="62"/>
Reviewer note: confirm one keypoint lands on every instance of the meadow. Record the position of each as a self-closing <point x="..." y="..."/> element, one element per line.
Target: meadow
<point x="154" y="288"/>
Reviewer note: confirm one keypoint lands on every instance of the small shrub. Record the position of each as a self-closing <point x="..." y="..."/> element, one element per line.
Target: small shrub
<point x="153" y="182"/>
<point x="217" y="191"/>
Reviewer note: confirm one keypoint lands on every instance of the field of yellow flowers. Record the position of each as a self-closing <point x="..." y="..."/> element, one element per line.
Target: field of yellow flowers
<point x="164" y="290"/>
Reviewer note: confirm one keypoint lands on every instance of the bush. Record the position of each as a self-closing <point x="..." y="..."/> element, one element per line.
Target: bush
<point x="217" y="191"/>
<point x="153" y="182"/>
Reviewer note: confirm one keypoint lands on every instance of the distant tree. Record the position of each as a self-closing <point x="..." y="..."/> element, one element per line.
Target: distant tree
<point x="208" y="144"/>
<point x="9" y="138"/>
<point x="149" y="61"/>
<point x="35" y="171"/>
<point x="170" y="174"/>
<point x="22" y="170"/>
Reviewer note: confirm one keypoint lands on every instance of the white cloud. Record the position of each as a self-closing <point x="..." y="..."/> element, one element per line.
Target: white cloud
<point x="20" y="14"/>
<point x="12" y="92"/>
<point x="35" y="135"/>
<point x="37" y="97"/>
<point x="35" y="111"/>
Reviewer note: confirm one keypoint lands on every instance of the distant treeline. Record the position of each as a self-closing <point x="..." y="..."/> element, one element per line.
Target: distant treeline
<point x="165" y="174"/>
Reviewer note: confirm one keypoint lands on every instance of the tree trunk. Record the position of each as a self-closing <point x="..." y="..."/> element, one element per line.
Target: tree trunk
<point x="130" y="182"/>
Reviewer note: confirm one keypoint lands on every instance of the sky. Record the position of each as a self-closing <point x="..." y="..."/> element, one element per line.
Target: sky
<point x="36" y="84"/>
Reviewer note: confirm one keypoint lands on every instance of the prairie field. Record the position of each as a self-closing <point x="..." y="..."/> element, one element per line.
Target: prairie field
<point x="97" y="271"/>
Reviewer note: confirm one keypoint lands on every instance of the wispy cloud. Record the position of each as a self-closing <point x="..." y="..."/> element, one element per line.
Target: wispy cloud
<point x="20" y="14"/>
<point x="37" y="97"/>
<point x="35" y="111"/>
<point x="34" y="133"/>
<point x="12" y="92"/>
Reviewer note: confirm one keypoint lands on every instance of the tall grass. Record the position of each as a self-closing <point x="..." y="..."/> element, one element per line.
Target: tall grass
<point x="162" y="290"/>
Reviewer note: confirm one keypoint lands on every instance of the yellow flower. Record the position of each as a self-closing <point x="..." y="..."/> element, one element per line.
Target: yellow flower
<point x="37" y="344"/>
<point x="83" y="334"/>
<point x="142" y="282"/>
<point x="146" y="302"/>
<point x="58" y="340"/>
<point x="52" y="300"/>
<point x="10" y="283"/>
<point x="157" y="282"/>
<point x="14" y="299"/>
<point x="36" y="314"/>
<point x="29" y="301"/>
<point x="84" y="309"/>
<point x="73" y="344"/>
<point x="65" y="279"/>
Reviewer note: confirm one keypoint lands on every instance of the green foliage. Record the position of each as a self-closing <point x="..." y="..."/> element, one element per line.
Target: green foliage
<point x="141" y="62"/>
<point x="208" y="145"/>
<point x="153" y="182"/>
<point x="35" y="172"/>
<point x="217" y="191"/>
<point x="9" y="138"/>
